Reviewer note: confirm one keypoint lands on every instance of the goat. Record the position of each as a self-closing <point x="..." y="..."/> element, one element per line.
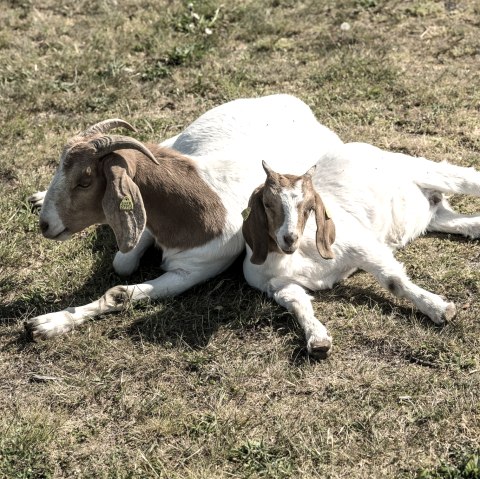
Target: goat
<point x="185" y="195"/>
<point x="367" y="203"/>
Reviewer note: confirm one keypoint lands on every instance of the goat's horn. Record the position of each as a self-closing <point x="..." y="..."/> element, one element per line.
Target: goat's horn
<point x="106" y="144"/>
<point x="107" y="125"/>
<point x="311" y="171"/>
<point x="267" y="168"/>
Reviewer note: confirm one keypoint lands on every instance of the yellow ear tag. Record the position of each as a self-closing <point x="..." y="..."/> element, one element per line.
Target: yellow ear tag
<point x="327" y="214"/>
<point x="126" y="204"/>
<point x="246" y="213"/>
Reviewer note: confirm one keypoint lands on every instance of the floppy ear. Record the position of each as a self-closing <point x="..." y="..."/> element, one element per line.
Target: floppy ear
<point x="123" y="206"/>
<point x="325" y="229"/>
<point x="255" y="228"/>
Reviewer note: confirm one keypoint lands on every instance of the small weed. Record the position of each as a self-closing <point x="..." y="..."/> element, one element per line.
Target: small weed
<point x="204" y="426"/>
<point x="258" y="459"/>
<point x="467" y="467"/>
<point x="24" y="449"/>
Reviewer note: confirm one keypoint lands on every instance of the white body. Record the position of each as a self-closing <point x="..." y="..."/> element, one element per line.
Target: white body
<point x="379" y="201"/>
<point x="227" y="145"/>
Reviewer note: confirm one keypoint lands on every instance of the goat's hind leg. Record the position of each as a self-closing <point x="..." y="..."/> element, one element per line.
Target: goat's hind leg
<point x="391" y="274"/>
<point x="446" y="220"/>
<point x="438" y="178"/>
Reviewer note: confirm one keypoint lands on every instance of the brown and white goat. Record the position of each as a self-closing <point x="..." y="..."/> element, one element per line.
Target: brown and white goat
<point x="189" y="205"/>
<point x="366" y="203"/>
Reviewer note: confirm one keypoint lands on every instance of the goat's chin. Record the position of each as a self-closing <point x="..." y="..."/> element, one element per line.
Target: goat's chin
<point x="62" y="236"/>
<point x="288" y="250"/>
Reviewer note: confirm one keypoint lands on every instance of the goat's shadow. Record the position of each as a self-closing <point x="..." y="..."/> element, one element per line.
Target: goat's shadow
<point x="102" y="278"/>
<point x="193" y="317"/>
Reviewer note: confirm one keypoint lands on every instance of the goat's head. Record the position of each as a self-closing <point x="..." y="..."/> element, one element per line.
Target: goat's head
<point x="279" y="210"/>
<point x="94" y="185"/>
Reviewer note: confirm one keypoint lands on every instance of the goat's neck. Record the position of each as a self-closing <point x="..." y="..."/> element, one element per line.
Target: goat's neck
<point x="182" y="210"/>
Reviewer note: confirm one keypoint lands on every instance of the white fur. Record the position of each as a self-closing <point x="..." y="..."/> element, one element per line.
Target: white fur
<point x="290" y="198"/>
<point x="227" y="145"/>
<point x="379" y="201"/>
<point x="50" y="215"/>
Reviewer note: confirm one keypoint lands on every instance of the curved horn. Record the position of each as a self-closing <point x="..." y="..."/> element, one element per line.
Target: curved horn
<point x="107" y="125"/>
<point x="106" y="144"/>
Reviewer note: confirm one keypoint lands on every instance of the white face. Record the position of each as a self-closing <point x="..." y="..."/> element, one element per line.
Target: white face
<point x="74" y="198"/>
<point x="291" y="199"/>
<point x="50" y="222"/>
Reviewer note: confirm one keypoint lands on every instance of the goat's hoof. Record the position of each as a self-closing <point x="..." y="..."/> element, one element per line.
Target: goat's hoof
<point x="450" y="312"/>
<point x="319" y="348"/>
<point x="48" y="325"/>
<point x="446" y="315"/>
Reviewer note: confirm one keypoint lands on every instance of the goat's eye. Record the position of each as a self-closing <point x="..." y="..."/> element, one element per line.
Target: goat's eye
<point x="83" y="186"/>
<point x="267" y="206"/>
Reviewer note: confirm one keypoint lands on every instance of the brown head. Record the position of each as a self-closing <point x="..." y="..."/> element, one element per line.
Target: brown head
<point x="278" y="213"/>
<point x="94" y="185"/>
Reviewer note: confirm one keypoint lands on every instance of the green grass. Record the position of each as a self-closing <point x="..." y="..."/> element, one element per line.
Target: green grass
<point x="467" y="467"/>
<point x="216" y="383"/>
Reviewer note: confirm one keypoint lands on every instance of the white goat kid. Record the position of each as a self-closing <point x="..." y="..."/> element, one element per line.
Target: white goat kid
<point x="189" y="205"/>
<point x="375" y="202"/>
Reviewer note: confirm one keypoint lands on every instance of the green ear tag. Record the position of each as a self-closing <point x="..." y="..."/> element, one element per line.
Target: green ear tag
<point x="126" y="204"/>
<point x="246" y="213"/>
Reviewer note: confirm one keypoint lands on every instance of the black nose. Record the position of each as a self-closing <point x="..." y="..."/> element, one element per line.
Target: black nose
<point x="290" y="239"/>
<point x="44" y="226"/>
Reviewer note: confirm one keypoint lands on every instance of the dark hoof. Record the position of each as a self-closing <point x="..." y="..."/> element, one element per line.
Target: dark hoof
<point x="320" y="348"/>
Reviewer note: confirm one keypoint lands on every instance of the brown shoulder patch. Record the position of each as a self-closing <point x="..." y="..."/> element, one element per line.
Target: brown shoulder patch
<point x="182" y="210"/>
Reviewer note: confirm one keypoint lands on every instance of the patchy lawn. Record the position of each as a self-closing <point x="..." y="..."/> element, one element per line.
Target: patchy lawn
<point x="216" y="383"/>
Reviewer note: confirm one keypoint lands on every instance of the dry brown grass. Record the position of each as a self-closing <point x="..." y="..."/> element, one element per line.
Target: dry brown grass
<point x="216" y="383"/>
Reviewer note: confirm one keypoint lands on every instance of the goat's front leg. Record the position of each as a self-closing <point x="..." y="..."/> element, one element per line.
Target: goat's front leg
<point x="115" y="299"/>
<point x="125" y="264"/>
<point x="390" y="273"/>
<point x="297" y="301"/>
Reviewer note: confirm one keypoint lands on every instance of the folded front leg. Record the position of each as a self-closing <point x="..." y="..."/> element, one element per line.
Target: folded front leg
<point x="125" y="264"/>
<point x="446" y="220"/>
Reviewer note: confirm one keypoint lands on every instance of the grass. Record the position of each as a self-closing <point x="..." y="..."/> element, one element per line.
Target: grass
<point x="216" y="383"/>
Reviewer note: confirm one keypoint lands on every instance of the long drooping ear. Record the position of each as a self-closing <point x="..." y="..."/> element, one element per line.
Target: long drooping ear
<point x="255" y="227"/>
<point x="123" y="205"/>
<point x="325" y="229"/>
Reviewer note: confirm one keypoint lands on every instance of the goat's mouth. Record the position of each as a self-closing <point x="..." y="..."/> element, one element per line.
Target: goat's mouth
<point x="62" y="236"/>
<point x="288" y="249"/>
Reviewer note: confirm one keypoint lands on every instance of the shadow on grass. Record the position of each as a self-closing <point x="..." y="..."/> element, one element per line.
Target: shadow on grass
<point x="193" y="317"/>
<point x="358" y="297"/>
<point x="102" y="278"/>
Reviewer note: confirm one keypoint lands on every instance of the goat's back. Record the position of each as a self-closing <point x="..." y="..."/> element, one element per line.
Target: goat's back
<point x="375" y="188"/>
<point x="277" y="125"/>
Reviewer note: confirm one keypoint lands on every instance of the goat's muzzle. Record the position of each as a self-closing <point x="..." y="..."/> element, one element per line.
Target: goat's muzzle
<point x="50" y="233"/>
<point x="288" y="243"/>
